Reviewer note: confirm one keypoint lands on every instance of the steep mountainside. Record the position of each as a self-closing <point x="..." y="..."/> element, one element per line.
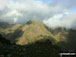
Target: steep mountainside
<point x="26" y="33"/>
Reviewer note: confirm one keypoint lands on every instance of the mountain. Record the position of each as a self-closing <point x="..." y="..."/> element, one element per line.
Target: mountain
<point x="26" y="33"/>
<point x="33" y="31"/>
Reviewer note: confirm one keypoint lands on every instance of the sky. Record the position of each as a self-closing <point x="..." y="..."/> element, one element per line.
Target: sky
<point x="73" y="9"/>
<point x="53" y="13"/>
<point x="46" y="1"/>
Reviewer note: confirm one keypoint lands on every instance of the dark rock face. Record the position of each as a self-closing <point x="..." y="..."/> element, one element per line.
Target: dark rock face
<point x="4" y="41"/>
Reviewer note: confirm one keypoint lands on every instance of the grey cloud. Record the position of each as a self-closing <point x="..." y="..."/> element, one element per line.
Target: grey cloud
<point x="30" y="10"/>
<point x="65" y="3"/>
<point x="3" y="4"/>
<point x="20" y="11"/>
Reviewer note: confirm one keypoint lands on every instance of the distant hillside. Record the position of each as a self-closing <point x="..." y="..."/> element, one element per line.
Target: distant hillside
<point x="65" y="38"/>
<point x="4" y="25"/>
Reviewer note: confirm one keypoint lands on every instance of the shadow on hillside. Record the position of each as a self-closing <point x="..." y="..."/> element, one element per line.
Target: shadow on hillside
<point x="72" y="39"/>
<point x="41" y="48"/>
<point x="4" y="41"/>
<point x="70" y="45"/>
<point x="14" y="36"/>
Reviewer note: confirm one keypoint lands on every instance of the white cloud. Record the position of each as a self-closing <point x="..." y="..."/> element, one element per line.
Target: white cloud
<point x="13" y="13"/>
<point x="55" y="21"/>
<point x="56" y="14"/>
<point x="66" y="19"/>
<point x="29" y="9"/>
<point x="15" y="20"/>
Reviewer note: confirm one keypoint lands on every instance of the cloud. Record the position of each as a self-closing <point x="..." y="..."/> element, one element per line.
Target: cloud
<point x="29" y="9"/>
<point x="54" y="14"/>
<point x="13" y="13"/>
<point x="3" y="4"/>
<point x="70" y="3"/>
<point x="66" y="19"/>
<point x="55" y="21"/>
<point x="65" y="3"/>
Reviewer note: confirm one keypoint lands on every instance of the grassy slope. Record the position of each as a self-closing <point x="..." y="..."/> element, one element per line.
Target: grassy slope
<point x="33" y="32"/>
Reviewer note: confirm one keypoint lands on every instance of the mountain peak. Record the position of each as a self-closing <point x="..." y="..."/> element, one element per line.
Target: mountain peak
<point x="33" y="22"/>
<point x="30" y="32"/>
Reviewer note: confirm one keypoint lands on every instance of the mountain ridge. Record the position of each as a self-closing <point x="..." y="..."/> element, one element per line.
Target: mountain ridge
<point x="34" y="30"/>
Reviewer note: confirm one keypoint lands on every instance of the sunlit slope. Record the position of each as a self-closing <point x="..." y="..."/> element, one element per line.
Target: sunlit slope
<point x="33" y="31"/>
<point x="27" y="33"/>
